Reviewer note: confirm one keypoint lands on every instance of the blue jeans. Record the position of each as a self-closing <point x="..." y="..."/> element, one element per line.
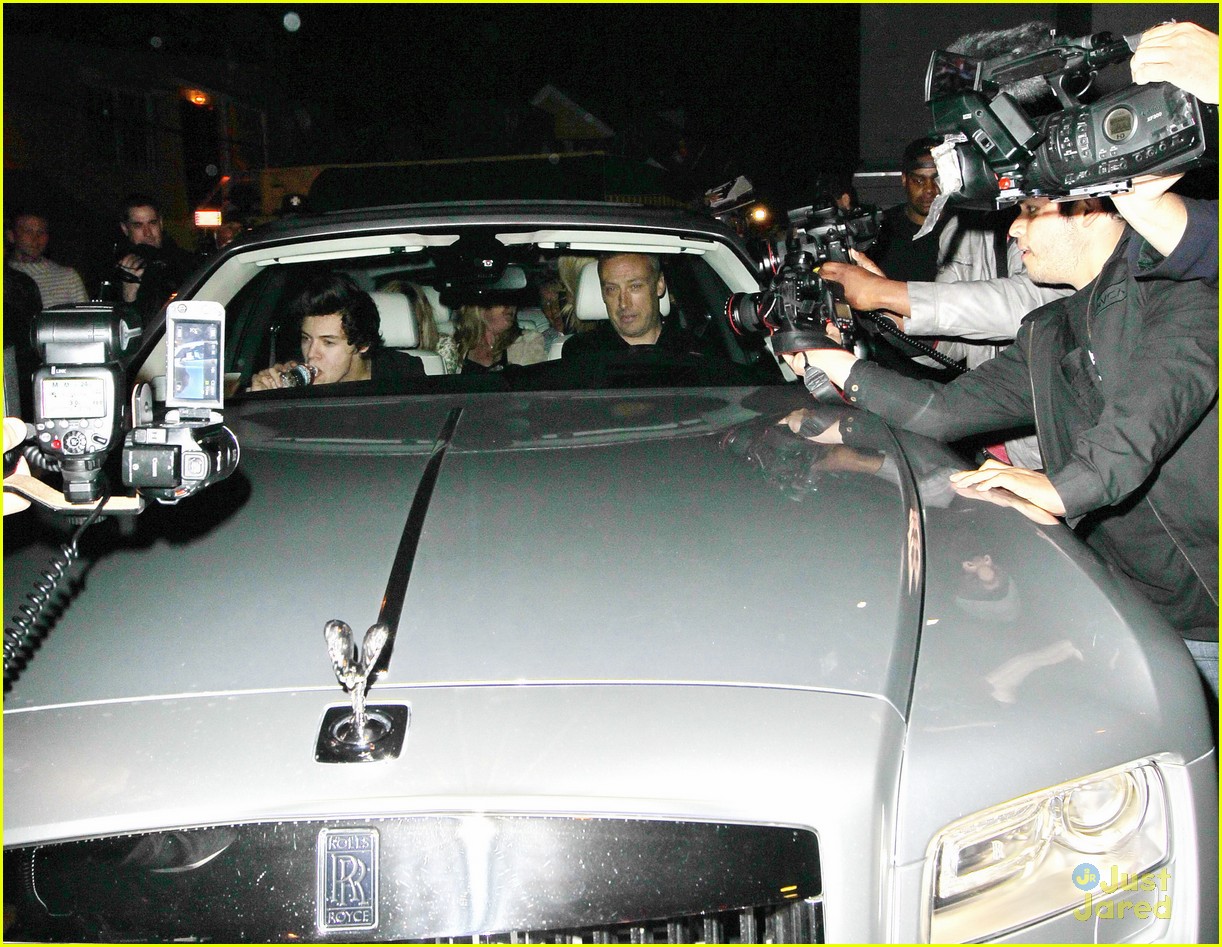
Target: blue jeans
<point x="1205" y="653"/>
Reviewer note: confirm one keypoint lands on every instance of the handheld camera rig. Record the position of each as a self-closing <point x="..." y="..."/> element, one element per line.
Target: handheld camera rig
<point x="81" y="414"/>
<point x="798" y="305"/>
<point x="994" y="153"/>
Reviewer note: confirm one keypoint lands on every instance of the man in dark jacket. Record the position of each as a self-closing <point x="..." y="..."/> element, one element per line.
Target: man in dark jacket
<point x="151" y="265"/>
<point x="632" y="289"/>
<point x="895" y="251"/>
<point x="1121" y="382"/>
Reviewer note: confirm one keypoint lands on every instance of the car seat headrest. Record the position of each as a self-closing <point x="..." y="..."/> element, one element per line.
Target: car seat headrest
<point x="398" y="321"/>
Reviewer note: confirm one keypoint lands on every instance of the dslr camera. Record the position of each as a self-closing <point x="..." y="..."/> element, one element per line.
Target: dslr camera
<point x="994" y="153"/>
<point x="81" y="415"/>
<point x="797" y="306"/>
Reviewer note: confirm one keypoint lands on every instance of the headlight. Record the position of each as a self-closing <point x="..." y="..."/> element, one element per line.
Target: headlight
<point x="1014" y="864"/>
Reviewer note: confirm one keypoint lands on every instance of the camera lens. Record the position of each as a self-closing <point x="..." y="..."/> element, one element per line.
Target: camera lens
<point x="742" y="311"/>
<point x="765" y="252"/>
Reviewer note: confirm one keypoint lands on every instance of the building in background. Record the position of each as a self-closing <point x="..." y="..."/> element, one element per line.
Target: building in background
<point x="83" y="126"/>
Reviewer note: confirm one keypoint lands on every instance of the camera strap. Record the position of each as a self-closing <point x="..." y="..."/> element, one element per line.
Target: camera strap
<point x="38" y="492"/>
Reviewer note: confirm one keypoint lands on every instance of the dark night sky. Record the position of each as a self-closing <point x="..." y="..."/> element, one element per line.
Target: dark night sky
<point x="765" y="82"/>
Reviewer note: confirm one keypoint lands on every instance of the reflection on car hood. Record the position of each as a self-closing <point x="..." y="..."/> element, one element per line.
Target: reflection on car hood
<point x="675" y="536"/>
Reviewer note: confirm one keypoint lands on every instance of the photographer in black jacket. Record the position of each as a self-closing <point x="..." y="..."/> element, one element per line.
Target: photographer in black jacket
<point x="150" y="264"/>
<point x="1120" y="380"/>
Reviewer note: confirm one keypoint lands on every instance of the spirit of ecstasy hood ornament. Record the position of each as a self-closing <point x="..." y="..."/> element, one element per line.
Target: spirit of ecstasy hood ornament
<point x="353" y="669"/>
<point x="365" y="733"/>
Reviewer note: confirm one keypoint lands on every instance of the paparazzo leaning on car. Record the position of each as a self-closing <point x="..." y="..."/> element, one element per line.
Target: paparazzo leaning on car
<point x="605" y="651"/>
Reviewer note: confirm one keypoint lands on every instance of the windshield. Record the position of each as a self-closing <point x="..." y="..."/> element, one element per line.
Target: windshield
<point x="482" y="308"/>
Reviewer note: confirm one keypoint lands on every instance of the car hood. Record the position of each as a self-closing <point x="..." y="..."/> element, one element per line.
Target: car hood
<point x="677" y="536"/>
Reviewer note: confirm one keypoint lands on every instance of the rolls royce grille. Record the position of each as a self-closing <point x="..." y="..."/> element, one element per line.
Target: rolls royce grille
<point x="441" y="878"/>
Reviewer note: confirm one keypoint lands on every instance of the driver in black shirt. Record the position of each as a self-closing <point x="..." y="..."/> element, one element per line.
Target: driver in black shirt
<point x="632" y="290"/>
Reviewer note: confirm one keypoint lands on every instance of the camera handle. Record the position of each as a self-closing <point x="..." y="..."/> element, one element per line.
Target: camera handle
<point x="38" y="492"/>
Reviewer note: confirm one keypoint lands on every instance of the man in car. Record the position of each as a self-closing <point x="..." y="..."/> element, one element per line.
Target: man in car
<point x="632" y="290"/>
<point x="1120" y="380"/>
<point x="341" y="338"/>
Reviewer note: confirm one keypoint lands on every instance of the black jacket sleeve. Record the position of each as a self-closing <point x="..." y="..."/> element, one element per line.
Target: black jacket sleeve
<point x="1194" y="257"/>
<point x="996" y="396"/>
<point x="1159" y="378"/>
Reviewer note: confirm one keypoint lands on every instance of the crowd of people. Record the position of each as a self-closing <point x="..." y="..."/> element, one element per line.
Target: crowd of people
<point x="146" y="267"/>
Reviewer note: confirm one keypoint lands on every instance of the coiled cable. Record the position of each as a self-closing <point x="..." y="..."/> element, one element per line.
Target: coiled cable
<point x="39" y="460"/>
<point x="888" y="326"/>
<point x="23" y="635"/>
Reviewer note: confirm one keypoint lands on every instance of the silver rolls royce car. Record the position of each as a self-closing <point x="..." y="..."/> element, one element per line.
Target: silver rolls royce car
<point x="596" y="649"/>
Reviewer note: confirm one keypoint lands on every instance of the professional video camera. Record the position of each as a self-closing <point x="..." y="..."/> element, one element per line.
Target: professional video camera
<point x="797" y="306"/>
<point x="995" y="153"/>
<point x="80" y="412"/>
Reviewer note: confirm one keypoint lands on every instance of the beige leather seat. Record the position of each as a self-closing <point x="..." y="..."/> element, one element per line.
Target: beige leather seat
<point x="398" y="324"/>
<point x="441" y="313"/>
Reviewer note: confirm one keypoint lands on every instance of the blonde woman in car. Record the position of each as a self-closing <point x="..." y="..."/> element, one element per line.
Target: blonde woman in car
<point x="568" y="270"/>
<point x="487" y="338"/>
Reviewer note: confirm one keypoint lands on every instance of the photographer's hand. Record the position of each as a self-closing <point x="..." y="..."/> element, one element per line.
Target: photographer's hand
<point x="132" y="266"/>
<point x="864" y="287"/>
<point x="1184" y="54"/>
<point x="14" y="435"/>
<point x="1030" y="485"/>
<point x="866" y="263"/>
<point x="835" y="363"/>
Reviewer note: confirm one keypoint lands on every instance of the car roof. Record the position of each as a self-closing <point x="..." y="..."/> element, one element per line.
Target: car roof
<point x="495" y="213"/>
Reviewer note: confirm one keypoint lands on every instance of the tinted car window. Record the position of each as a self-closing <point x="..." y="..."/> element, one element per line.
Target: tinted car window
<point x="259" y="333"/>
